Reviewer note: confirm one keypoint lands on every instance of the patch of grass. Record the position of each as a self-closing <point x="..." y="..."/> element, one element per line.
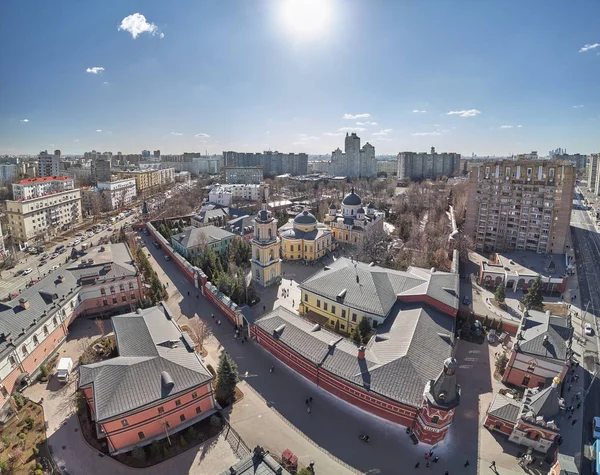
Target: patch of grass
<point x="558" y="309"/>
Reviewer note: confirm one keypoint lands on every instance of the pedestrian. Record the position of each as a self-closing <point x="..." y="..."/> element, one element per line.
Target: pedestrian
<point x="569" y="388"/>
<point x="574" y="422"/>
<point x="436" y="459"/>
<point x="307" y="402"/>
<point x="467" y="464"/>
<point x="417" y="464"/>
<point x="308" y="409"/>
<point x="212" y="315"/>
<point x="427" y="464"/>
<point x="431" y="452"/>
<point x="493" y="465"/>
<point x="310" y="399"/>
<point x="446" y="472"/>
<point x="243" y="341"/>
<point x="576" y="364"/>
<point x="427" y="455"/>
<point x="578" y="405"/>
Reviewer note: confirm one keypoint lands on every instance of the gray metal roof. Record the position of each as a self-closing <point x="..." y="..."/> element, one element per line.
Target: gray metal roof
<point x="504" y="408"/>
<point x="545" y="336"/>
<point x="375" y="289"/>
<point x="149" y="343"/>
<point x="407" y="351"/>
<point x="542" y="403"/>
<point x="293" y="233"/>
<point x="305" y="217"/>
<point x="48" y="295"/>
<point x="256" y="464"/>
<point x="192" y="237"/>
<point x="352" y="199"/>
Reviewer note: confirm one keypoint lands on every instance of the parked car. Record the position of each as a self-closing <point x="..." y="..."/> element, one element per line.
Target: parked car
<point x="156" y="245"/>
<point x="71" y="244"/>
<point x="466" y="300"/>
<point x="596" y="427"/>
<point x="53" y="268"/>
<point x="77" y="241"/>
<point x="79" y="234"/>
<point x="589" y="330"/>
<point x="167" y="258"/>
<point x="42" y="262"/>
<point x="29" y="270"/>
<point x="59" y="248"/>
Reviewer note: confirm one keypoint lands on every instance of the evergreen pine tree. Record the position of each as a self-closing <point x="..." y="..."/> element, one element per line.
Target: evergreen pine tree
<point x="533" y="298"/>
<point x="500" y="294"/>
<point x="365" y="329"/>
<point x="227" y="375"/>
<point x="355" y="336"/>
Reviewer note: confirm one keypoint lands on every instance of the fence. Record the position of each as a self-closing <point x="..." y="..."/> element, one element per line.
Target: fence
<point x="188" y="270"/>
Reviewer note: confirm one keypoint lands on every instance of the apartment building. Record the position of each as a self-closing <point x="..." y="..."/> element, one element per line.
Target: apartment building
<point x="119" y="193"/>
<point x="355" y="161"/>
<point x="100" y="169"/>
<point x="42" y="217"/>
<point x="244" y="175"/>
<point x="389" y="167"/>
<point x="592" y="170"/>
<point x="520" y="205"/>
<point x="224" y="194"/>
<point x="417" y="166"/>
<point x="48" y="164"/>
<point x="577" y="159"/>
<point x="273" y="162"/>
<point x="35" y="187"/>
<point x="8" y="173"/>
<point x="149" y="182"/>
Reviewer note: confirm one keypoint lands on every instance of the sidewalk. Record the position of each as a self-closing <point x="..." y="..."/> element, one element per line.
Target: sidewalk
<point x="259" y="424"/>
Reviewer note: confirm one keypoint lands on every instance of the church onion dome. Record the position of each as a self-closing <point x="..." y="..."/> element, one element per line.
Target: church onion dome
<point x="352" y="199"/>
<point x="371" y="205"/>
<point x="305" y="218"/>
<point x="331" y="206"/>
<point x="361" y="211"/>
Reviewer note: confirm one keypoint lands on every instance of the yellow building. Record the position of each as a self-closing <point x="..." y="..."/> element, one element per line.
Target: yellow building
<point x="303" y="238"/>
<point x="354" y="220"/>
<point x="266" y="260"/>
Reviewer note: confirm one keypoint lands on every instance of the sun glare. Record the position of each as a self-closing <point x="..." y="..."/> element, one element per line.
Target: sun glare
<point x="306" y="18"/>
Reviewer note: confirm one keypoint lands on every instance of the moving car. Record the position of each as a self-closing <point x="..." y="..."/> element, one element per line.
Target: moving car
<point x="29" y="270"/>
<point x="167" y="258"/>
<point x="466" y="300"/>
<point x="588" y="329"/>
<point x="596" y="427"/>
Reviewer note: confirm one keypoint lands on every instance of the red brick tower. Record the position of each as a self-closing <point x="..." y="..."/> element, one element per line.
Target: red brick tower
<point x="440" y="398"/>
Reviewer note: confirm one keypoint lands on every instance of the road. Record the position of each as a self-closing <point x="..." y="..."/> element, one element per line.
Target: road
<point x="332" y="424"/>
<point x="9" y="283"/>
<point x="586" y="243"/>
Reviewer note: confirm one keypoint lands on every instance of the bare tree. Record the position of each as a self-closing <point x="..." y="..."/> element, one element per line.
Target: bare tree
<point x="373" y="246"/>
<point x="100" y="324"/>
<point x="200" y="330"/>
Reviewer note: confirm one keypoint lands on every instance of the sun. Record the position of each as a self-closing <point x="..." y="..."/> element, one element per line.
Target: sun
<point x="306" y="19"/>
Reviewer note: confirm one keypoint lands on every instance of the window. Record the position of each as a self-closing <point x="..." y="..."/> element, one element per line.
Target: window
<point x="178" y="402"/>
<point x="12" y="362"/>
<point x="167" y="425"/>
<point x="318" y="303"/>
<point x="4" y="391"/>
<point x="306" y="297"/>
<point x="343" y="313"/>
<point x="24" y="350"/>
<point x="526" y="380"/>
<point x="132" y="296"/>
<point x="375" y="323"/>
<point x="141" y="435"/>
<point x="194" y="395"/>
<point x="112" y="289"/>
<point x="333" y="309"/>
<point x="325" y="305"/>
<point x="182" y="417"/>
<point x="161" y="410"/>
<point x="121" y="288"/>
<point x="198" y="410"/>
<point x="105" y="302"/>
<point x="124" y="298"/>
<point x="343" y="327"/>
<point x="354" y="317"/>
<point x="130" y="285"/>
<point x="102" y="291"/>
<point x="124" y="423"/>
<point x="291" y="247"/>
<point x="36" y="342"/>
<point x="435" y="419"/>
<point x="54" y="321"/>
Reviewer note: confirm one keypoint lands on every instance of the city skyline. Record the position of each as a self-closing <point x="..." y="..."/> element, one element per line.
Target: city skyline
<point x="295" y="76"/>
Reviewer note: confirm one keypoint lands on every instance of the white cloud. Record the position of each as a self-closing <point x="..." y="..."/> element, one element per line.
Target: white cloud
<point x="589" y="47"/>
<point x="333" y="134"/>
<point x="577" y="107"/>
<point x="178" y="134"/>
<point x="424" y="134"/>
<point x="105" y="82"/>
<point x="417" y="111"/>
<point x="95" y="70"/>
<point x="506" y="126"/>
<point x="136" y="24"/>
<point x="98" y="130"/>
<point x="24" y="121"/>
<point x="519" y="126"/>
<point x="351" y="129"/>
<point x="356" y="116"/>
<point x="75" y="140"/>
<point x="202" y="135"/>
<point x="367" y="123"/>
<point x="465" y="113"/>
<point x="382" y="133"/>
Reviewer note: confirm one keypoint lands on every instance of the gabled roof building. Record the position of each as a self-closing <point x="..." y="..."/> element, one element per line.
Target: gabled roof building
<point x="158" y="384"/>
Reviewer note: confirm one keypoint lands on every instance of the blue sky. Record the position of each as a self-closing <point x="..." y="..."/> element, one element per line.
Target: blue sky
<point x="249" y="75"/>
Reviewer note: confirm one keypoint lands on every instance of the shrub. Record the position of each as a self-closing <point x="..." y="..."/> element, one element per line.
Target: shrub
<point x="156" y="449"/>
<point x="21" y="435"/>
<point x="165" y="451"/>
<point x="19" y="400"/>
<point x="211" y="370"/>
<point x="6" y="440"/>
<point x="29" y="422"/>
<point x="192" y="433"/>
<point x="501" y="363"/>
<point x="215" y="421"/>
<point x="38" y="471"/>
<point x="138" y="453"/>
<point x="35" y="450"/>
<point x="182" y="441"/>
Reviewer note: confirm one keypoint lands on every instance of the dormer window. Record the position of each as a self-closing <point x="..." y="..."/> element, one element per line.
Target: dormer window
<point x="24" y="350"/>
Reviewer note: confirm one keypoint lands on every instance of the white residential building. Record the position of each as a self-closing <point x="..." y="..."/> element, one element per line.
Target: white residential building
<point x="8" y="173"/>
<point x="48" y="164"/>
<point x="222" y="193"/>
<point x="36" y="187"/>
<point x="354" y="162"/>
<point x="119" y="193"/>
<point x="42" y="217"/>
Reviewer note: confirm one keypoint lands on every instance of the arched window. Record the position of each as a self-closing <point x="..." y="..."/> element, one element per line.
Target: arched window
<point x="112" y="289"/>
<point x="45" y="330"/>
<point x="24" y="350"/>
<point x="435" y="419"/>
<point x="257" y="255"/>
<point x="36" y="342"/>
<point x="122" y="287"/>
<point x="270" y="233"/>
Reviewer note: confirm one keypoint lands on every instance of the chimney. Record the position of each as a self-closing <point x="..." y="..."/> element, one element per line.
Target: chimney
<point x="361" y="352"/>
<point x="545" y="340"/>
<point x="24" y="303"/>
